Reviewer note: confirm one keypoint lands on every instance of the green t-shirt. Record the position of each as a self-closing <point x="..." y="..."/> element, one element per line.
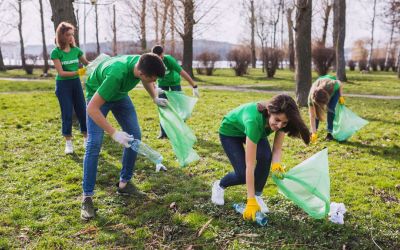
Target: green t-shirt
<point x="69" y="60"/>
<point x="113" y="78"/>
<point x="328" y="86"/>
<point x="245" y="120"/>
<point x="172" y="72"/>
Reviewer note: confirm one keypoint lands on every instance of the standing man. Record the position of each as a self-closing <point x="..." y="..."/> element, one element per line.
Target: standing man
<point x="107" y="90"/>
<point x="172" y="79"/>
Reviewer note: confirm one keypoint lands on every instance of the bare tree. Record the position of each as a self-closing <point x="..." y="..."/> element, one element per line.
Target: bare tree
<point x="291" y="40"/>
<point x="21" y="38"/>
<point x="156" y="21"/>
<point x="251" y="15"/>
<point x="6" y="26"/>
<point x="143" y="41"/>
<point x="96" y="14"/>
<point x="276" y="20"/>
<point x="262" y="29"/>
<point x="303" y="50"/>
<point x="392" y="12"/>
<point x="172" y="26"/>
<point x="186" y="12"/>
<point x="372" y="36"/>
<point x="135" y="9"/>
<point x="63" y="11"/>
<point x="44" y="51"/>
<point x="327" y="11"/>
<point x="166" y="5"/>
<point x="114" y="29"/>
<point x="340" y="12"/>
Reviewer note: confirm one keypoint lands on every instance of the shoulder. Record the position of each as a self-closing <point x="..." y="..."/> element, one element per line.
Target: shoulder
<point x="55" y="53"/>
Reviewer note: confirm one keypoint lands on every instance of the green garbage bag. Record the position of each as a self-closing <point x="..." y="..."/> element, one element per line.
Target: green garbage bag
<point x="179" y="134"/>
<point x="346" y="123"/>
<point x="93" y="64"/>
<point x="182" y="104"/>
<point x="308" y="185"/>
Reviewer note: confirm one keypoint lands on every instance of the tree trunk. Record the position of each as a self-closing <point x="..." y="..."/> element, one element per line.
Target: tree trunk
<point x="303" y="51"/>
<point x="187" y="37"/>
<point x="2" y="66"/>
<point x="275" y="25"/>
<point x="398" y="64"/>
<point x="340" y="60"/>
<point x="143" y="41"/>
<point x="252" y="42"/>
<point x="63" y="11"/>
<point x="97" y="29"/>
<point x="21" y="38"/>
<point x="389" y="47"/>
<point x="291" y="42"/>
<point x="115" y="52"/>
<point x="172" y="23"/>
<point x="155" y="14"/>
<point x="164" y="21"/>
<point x="45" y="57"/>
<point x="372" y="37"/>
<point x="326" y="22"/>
<point x="335" y="29"/>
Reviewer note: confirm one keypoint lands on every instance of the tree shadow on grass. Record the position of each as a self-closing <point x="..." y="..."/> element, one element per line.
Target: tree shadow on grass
<point x="392" y="152"/>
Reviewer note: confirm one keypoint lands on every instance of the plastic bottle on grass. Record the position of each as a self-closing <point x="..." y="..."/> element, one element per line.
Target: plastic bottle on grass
<point x="146" y="151"/>
<point x="261" y="218"/>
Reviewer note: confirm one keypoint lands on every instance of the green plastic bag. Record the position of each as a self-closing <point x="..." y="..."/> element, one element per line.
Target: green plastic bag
<point x="346" y="123"/>
<point x="308" y="185"/>
<point x="182" y="104"/>
<point x="179" y="134"/>
<point x="93" y="64"/>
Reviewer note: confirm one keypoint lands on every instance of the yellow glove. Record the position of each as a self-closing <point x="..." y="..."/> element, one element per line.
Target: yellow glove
<point x="251" y="209"/>
<point x="277" y="167"/>
<point x="341" y="100"/>
<point x="82" y="71"/>
<point x="314" y="138"/>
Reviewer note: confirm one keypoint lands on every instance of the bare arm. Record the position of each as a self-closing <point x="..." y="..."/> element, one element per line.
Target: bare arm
<point x="83" y="60"/>
<point x="187" y="77"/>
<point x="61" y="72"/>
<point x="311" y="112"/>
<point x="251" y="150"/>
<point x="277" y="147"/>
<point x="150" y="88"/>
<point x="94" y="112"/>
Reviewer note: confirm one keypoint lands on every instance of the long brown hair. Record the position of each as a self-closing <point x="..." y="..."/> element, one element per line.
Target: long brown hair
<point x="63" y="28"/>
<point x="284" y="104"/>
<point x="320" y="97"/>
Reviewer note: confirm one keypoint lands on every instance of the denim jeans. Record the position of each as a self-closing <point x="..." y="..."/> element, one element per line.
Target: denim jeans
<point x="125" y="114"/>
<point x="70" y="96"/>
<point x="167" y="88"/>
<point x="234" y="149"/>
<point x="331" y="112"/>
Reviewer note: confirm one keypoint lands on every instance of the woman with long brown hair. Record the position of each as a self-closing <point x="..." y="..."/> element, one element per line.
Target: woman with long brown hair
<point x="325" y="93"/>
<point x="66" y="57"/>
<point x="243" y="134"/>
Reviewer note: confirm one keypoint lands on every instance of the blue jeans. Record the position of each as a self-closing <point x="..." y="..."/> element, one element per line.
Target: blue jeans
<point x="167" y="88"/>
<point x="70" y="96"/>
<point x="234" y="149"/>
<point x="331" y="112"/>
<point x="125" y="114"/>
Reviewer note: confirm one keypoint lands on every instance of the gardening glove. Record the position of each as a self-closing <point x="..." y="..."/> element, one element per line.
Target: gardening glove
<point x="196" y="91"/>
<point x="278" y="170"/>
<point x="313" y="138"/>
<point x="82" y="71"/>
<point x="160" y="91"/>
<point x="161" y="102"/>
<point x="341" y="100"/>
<point x="251" y="209"/>
<point x="122" y="138"/>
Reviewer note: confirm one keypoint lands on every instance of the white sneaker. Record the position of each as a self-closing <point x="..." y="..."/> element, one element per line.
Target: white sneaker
<point x="69" y="149"/>
<point x="261" y="203"/>
<point x="217" y="196"/>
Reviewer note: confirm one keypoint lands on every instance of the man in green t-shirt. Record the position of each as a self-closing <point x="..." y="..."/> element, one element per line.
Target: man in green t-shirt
<point x="172" y="79"/>
<point x="107" y="90"/>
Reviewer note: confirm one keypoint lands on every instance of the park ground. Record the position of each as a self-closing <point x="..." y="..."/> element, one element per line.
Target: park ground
<point x="40" y="187"/>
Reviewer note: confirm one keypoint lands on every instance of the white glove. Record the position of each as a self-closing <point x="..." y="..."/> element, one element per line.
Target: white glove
<point x="162" y="102"/>
<point x="122" y="138"/>
<point x="160" y="91"/>
<point x="196" y="92"/>
<point x="159" y="167"/>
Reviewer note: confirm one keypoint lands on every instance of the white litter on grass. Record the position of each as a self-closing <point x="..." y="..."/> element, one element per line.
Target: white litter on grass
<point x="336" y="213"/>
<point x="160" y="166"/>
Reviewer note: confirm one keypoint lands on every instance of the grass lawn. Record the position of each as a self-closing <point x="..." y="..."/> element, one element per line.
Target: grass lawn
<point x="40" y="187"/>
<point x="20" y="73"/>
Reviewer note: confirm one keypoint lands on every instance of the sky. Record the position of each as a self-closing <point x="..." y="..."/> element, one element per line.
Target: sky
<point x="226" y="22"/>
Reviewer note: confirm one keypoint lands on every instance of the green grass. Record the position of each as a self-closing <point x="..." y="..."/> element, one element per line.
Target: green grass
<point x="40" y="187"/>
<point x="376" y="83"/>
<point x="20" y="73"/>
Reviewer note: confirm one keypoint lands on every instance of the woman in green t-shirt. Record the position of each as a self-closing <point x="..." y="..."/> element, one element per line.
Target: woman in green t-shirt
<point x="66" y="57"/>
<point x="243" y="134"/>
<point x="325" y="93"/>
